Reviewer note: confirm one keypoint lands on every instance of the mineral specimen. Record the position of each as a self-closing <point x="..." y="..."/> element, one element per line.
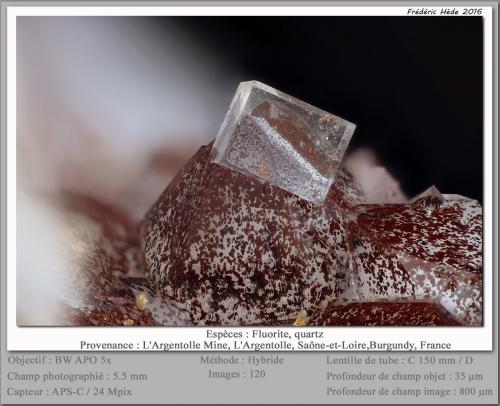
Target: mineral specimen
<point x="265" y="227"/>
<point x="282" y="140"/>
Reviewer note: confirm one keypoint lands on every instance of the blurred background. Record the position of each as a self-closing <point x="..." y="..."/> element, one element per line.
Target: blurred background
<point x="112" y="107"/>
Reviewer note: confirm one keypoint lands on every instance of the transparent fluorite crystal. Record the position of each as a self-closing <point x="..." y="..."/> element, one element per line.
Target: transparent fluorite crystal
<point x="282" y="140"/>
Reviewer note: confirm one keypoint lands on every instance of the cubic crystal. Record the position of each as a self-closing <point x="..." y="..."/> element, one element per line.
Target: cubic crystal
<point x="281" y="140"/>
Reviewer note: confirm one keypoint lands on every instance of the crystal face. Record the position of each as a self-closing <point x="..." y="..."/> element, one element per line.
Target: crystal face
<point x="279" y="139"/>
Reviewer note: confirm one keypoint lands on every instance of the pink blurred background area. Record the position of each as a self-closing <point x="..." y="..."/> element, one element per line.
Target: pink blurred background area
<point x="106" y="110"/>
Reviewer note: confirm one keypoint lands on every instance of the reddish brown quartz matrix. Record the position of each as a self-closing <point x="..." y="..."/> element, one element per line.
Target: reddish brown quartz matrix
<point x="385" y="314"/>
<point x="223" y="248"/>
<point x="232" y="249"/>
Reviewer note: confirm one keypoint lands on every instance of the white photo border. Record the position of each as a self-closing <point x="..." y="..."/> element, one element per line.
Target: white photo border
<point x="70" y="338"/>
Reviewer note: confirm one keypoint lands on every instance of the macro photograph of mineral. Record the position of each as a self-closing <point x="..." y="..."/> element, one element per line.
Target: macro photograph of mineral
<point x="249" y="171"/>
